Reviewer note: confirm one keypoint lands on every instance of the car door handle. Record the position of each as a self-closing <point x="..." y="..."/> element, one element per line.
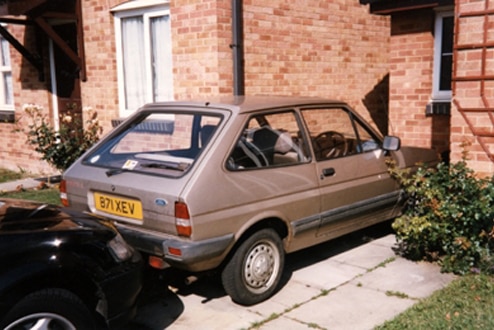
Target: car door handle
<point x="328" y="172"/>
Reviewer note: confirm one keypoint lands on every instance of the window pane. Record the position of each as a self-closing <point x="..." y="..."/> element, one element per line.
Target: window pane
<point x="367" y="142"/>
<point x="5" y="52"/>
<point x="332" y="133"/>
<point x="269" y="140"/>
<point x="133" y="62"/>
<point x="8" y="90"/>
<point x="446" y="54"/>
<point x="161" y="58"/>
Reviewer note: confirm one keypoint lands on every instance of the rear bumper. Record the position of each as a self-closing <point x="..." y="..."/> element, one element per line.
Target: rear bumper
<point x="194" y="255"/>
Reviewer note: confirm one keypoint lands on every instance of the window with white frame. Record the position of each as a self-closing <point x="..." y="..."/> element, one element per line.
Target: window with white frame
<point x="144" y="54"/>
<point x="443" y="56"/>
<point x="6" y="89"/>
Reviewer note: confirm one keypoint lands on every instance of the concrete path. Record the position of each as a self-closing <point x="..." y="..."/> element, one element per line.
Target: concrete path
<point x="16" y="185"/>
<point x="359" y="288"/>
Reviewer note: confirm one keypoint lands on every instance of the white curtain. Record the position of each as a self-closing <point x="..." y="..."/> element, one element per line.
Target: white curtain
<point x="133" y="62"/>
<point x="6" y="73"/>
<point x="161" y="58"/>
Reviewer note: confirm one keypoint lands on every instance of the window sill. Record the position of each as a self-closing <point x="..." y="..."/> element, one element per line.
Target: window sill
<point x="438" y="108"/>
<point x="7" y="116"/>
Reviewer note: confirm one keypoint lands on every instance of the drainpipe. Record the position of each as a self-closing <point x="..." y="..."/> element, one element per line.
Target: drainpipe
<point x="237" y="47"/>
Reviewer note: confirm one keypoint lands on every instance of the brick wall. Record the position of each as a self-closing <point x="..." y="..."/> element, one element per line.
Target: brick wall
<point x="411" y="57"/>
<point x="201" y="38"/>
<point x="466" y="127"/>
<point x="100" y="91"/>
<point x="15" y="154"/>
<point x="332" y="49"/>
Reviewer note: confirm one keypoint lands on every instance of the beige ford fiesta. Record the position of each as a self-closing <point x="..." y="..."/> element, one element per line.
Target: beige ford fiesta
<point x="235" y="183"/>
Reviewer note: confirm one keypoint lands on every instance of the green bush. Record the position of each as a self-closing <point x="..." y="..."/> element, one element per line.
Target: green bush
<point x="60" y="148"/>
<point x="448" y="217"/>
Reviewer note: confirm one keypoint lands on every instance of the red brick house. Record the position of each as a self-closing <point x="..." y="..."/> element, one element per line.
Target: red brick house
<point x="115" y="55"/>
<point x="442" y="75"/>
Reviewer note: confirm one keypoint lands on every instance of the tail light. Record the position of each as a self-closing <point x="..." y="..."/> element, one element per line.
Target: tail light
<point x="182" y="219"/>
<point x="63" y="193"/>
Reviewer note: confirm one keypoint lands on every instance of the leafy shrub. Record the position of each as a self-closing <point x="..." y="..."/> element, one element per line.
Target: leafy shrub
<point x="60" y="148"/>
<point x="448" y="217"/>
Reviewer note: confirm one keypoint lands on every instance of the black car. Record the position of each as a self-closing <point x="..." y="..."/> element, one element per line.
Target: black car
<point x="61" y="269"/>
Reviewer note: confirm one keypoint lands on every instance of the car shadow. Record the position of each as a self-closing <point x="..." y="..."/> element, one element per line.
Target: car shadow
<point x="160" y="302"/>
<point x="326" y="250"/>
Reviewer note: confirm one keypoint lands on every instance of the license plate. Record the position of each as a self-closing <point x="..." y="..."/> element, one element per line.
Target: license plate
<point x="124" y="207"/>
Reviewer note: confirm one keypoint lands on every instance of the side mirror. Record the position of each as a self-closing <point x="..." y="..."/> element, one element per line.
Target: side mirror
<point x="391" y="143"/>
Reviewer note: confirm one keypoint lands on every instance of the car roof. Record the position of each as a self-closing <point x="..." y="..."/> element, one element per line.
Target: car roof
<point x="242" y="104"/>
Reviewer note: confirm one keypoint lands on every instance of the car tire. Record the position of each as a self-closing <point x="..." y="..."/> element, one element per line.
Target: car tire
<point x="254" y="271"/>
<point x="50" y="309"/>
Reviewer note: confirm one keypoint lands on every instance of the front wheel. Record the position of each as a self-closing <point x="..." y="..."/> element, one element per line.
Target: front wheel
<point x="49" y="309"/>
<point x="254" y="271"/>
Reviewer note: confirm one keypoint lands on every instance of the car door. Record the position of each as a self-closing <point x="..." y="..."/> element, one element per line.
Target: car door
<point x="271" y="166"/>
<point x="355" y="187"/>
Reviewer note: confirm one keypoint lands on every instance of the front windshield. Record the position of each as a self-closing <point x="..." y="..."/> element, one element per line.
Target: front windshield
<point x="158" y="143"/>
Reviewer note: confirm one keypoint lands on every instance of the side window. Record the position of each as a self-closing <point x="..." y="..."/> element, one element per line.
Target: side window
<point x="334" y="133"/>
<point x="366" y="141"/>
<point x="269" y="140"/>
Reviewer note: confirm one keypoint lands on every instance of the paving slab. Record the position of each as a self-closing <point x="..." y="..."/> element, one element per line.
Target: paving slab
<point x="414" y="279"/>
<point x="348" y="307"/>
<point x="369" y="255"/>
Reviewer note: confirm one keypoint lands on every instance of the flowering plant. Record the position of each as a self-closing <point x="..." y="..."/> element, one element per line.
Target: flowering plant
<point x="61" y="146"/>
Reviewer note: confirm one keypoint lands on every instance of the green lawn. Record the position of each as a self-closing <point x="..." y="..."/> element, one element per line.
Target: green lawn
<point x="51" y="195"/>
<point x="6" y="175"/>
<point x="467" y="303"/>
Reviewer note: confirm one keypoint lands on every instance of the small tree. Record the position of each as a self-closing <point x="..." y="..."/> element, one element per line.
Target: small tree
<point x="449" y="217"/>
<point x="60" y="148"/>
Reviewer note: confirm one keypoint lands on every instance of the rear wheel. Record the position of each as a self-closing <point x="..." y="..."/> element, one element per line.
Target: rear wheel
<point x="254" y="271"/>
<point x="49" y="309"/>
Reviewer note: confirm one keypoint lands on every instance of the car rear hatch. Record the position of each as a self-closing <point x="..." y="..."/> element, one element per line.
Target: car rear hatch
<point x="136" y="175"/>
<point x="133" y="198"/>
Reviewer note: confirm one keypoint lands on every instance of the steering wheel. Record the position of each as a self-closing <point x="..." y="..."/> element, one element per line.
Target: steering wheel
<point x="331" y="144"/>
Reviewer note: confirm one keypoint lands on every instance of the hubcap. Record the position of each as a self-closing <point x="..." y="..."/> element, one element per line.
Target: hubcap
<point x="261" y="266"/>
<point x="42" y="321"/>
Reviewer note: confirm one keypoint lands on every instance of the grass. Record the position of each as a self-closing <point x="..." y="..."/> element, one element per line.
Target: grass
<point x="50" y="195"/>
<point x="467" y="303"/>
<point x="7" y="175"/>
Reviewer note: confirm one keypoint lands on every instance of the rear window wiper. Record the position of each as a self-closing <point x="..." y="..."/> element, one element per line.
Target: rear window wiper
<point x="172" y="166"/>
<point x="115" y="171"/>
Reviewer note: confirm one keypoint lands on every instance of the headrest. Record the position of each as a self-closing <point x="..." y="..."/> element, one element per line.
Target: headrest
<point x="284" y="143"/>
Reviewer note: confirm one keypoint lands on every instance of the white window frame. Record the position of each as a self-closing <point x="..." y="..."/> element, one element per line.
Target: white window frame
<point x="437" y="94"/>
<point x="4" y="106"/>
<point x="148" y="9"/>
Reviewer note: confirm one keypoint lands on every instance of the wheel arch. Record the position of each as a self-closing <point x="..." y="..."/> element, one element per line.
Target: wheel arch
<point x="273" y="222"/>
<point x="56" y="278"/>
